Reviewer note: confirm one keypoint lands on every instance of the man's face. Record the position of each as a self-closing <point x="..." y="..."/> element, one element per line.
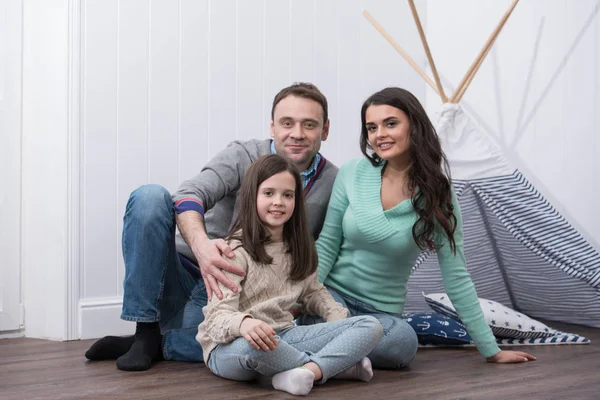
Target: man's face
<point x="297" y="129"/>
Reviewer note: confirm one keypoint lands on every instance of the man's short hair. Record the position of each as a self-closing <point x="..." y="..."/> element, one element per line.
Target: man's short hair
<point x="304" y="90"/>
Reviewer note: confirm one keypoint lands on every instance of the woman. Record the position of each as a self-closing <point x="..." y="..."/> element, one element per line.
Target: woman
<point x="384" y="210"/>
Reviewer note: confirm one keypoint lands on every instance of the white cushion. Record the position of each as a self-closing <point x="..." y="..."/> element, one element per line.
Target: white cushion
<point x="504" y="322"/>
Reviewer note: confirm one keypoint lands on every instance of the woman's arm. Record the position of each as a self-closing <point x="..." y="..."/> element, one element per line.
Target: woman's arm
<point x="330" y="238"/>
<point x="460" y="289"/>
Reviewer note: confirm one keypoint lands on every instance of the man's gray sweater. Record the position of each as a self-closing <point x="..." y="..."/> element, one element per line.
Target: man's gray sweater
<point x="217" y="185"/>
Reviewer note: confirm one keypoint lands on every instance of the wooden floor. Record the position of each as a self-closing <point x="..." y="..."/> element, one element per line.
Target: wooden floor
<point x="38" y="369"/>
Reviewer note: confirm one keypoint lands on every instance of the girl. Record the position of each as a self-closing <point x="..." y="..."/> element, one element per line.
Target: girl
<point x="384" y="210"/>
<point x="251" y="333"/>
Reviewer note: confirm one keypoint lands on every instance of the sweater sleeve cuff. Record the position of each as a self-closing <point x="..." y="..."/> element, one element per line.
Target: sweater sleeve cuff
<point x="189" y="204"/>
<point x="235" y="322"/>
<point x="336" y="315"/>
<point x="489" y="350"/>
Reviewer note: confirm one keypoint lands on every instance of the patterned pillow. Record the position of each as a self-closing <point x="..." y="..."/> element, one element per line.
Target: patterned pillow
<point x="437" y="329"/>
<point x="504" y="322"/>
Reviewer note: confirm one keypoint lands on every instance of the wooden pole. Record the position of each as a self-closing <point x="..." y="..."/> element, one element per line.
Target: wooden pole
<point x="400" y="50"/>
<point x="436" y="76"/>
<point x="468" y="82"/>
<point x="462" y="86"/>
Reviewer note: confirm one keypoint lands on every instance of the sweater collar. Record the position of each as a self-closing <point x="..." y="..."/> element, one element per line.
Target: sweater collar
<point x="370" y="217"/>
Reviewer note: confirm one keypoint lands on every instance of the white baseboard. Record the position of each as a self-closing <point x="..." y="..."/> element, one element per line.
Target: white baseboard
<point x="102" y="317"/>
<point x="12" y="334"/>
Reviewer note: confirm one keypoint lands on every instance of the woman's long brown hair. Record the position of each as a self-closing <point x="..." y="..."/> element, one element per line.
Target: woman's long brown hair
<point x="251" y="231"/>
<point x="429" y="171"/>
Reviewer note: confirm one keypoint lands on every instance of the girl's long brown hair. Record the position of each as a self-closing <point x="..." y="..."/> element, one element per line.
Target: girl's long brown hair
<point x="429" y="172"/>
<point x="252" y="232"/>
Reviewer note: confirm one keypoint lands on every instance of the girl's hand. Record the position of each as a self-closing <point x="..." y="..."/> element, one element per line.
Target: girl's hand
<point x="258" y="333"/>
<point x="510" y="357"/>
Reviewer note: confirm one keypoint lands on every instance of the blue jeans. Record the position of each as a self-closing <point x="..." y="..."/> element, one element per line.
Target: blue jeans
<point x="157" y="287"/>
<point x="333" y="346"/>
<point x="398" y="346"/>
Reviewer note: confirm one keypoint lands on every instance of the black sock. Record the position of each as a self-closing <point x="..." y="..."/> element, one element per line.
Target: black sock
<point x="145" y="349"/>
<point x="109" y="348"/>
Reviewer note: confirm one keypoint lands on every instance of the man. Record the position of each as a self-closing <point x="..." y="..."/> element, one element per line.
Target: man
<point x="169" y="277"/>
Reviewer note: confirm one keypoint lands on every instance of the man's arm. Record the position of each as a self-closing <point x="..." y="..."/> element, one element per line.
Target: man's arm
<point x="220" y="177"/>
<point x="208" y="253"/>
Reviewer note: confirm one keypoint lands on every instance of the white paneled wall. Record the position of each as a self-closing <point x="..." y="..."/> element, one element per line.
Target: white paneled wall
<point x="47" y="169"/>
<point x="10" y="165"/>
<point x="537" y="94"/>
<point x="167" y="84"/>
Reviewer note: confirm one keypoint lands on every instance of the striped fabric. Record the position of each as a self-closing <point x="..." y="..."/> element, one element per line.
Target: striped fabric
<point x="559" y="338"/>
<point x="520" y="252"/>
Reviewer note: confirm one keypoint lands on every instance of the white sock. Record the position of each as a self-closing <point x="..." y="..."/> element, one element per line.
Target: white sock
<point x="362" y="371"/>
<point x="297" y="381"/>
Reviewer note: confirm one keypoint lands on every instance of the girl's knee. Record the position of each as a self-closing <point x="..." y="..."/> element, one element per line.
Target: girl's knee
<point x="371" y="323"/>
<point x="240" y="346"/>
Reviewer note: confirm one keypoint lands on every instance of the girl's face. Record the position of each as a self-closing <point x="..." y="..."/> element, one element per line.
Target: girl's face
<point x="388" y="131"/>
<point x="275" y="202"/>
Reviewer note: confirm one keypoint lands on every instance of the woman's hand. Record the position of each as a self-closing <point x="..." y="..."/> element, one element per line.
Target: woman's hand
<point x="258" y="333"/>
<point x="510" y="357"/>
<point x="296" y="311"/>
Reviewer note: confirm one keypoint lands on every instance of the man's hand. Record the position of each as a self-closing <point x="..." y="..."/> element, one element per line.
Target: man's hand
<point x="258" y="333"/>
<point x="212" y="264"/>
<point x="509" y="357"/>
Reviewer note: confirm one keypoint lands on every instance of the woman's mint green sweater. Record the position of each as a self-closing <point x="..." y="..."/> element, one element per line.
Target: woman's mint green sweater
<point x="368" y="253"/>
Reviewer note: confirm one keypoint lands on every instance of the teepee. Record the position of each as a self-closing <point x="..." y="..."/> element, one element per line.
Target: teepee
<point x="520" y="251"/>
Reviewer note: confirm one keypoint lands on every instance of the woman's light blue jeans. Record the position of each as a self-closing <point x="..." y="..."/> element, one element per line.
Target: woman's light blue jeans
<point x="397" y="347"/>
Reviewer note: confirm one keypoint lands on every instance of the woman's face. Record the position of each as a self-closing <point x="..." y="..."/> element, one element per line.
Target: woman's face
<point x="388" y="130"/>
